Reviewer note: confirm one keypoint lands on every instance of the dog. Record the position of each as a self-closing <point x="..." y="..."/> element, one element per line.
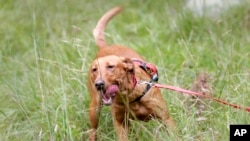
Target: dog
<point x="113" y="81"/>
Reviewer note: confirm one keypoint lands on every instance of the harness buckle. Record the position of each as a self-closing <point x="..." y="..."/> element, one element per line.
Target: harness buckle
<point x="145" y="82"/>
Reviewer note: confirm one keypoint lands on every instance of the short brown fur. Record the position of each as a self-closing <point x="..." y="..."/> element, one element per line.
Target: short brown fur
<point x="113" y="65"/>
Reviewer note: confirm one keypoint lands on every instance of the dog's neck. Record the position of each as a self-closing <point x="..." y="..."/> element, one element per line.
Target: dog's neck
<point x="133" y="93"/>
<point x="131" y="90"/>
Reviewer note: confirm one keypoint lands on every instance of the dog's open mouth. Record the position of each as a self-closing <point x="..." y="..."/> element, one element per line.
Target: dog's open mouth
<point x="109" y="94"/>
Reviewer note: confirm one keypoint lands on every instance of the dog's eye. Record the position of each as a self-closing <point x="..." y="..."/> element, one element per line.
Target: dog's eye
<point x="110" y="67"/>
<point x="94" y="70"/>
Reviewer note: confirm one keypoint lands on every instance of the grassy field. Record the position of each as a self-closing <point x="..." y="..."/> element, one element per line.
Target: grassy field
<point x="47" y="46"/>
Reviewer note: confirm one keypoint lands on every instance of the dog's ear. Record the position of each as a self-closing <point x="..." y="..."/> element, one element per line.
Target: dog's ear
<point x="128" y="64"/>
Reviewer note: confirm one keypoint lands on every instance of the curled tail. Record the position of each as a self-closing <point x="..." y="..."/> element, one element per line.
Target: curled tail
<point x="98" y="32"/>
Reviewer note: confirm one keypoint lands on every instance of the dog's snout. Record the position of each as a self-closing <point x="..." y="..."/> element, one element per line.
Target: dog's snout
<point x="99" y="84"/>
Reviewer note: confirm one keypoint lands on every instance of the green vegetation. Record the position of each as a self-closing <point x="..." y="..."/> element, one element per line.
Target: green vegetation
<point x="47" y="46"/>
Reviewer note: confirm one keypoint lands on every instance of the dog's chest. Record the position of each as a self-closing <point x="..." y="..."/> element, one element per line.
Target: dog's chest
<point x="139" y="111"/>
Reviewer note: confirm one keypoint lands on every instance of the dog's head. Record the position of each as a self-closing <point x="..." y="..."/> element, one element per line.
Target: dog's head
<point x="111" y="75"/>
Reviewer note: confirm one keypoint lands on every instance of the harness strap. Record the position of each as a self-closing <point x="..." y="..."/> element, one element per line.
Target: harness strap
<point x="151" y="70"/>
<point x="143" y="93"/>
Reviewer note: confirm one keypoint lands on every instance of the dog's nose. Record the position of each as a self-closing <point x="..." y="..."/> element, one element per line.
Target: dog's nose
<point x="99" y="84"/>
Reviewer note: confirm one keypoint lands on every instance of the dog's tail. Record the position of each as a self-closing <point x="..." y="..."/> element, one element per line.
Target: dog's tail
<point x="98" y="32"/>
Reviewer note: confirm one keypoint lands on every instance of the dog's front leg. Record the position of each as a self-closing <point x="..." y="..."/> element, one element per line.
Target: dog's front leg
<point x="121" y="130"/>
<point x="94" y="113"/>
<point x="121" y="122"/>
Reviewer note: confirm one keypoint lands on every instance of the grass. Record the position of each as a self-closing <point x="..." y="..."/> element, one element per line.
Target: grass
<point x="47" y="46"/>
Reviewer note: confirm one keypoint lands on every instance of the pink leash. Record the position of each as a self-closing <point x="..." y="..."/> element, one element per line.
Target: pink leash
<point x="173" y="88"/>
<point x="152" y="70"/>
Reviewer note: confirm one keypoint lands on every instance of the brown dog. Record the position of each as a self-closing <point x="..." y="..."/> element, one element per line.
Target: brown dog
<point x="113" y="78"/>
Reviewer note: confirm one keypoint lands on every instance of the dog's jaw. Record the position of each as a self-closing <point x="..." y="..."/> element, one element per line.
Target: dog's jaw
<point x="109" y="94"/>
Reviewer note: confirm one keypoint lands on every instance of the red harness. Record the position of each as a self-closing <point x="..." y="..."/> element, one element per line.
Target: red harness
<point x="151" y="70"/>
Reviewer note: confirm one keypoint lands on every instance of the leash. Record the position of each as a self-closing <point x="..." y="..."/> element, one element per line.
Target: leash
<point x="181" y="90"/>
<point x="152" y="71"/>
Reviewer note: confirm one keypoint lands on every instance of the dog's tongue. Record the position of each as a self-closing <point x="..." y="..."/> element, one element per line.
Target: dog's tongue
<point x="108" y="97"/>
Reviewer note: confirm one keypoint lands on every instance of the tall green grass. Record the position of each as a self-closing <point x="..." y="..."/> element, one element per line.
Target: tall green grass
<point x="47" y="46"/>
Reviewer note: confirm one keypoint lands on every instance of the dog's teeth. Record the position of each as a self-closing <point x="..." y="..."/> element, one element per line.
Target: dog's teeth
<point x="110" y="100"/>
<point x="107" y="102"/>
